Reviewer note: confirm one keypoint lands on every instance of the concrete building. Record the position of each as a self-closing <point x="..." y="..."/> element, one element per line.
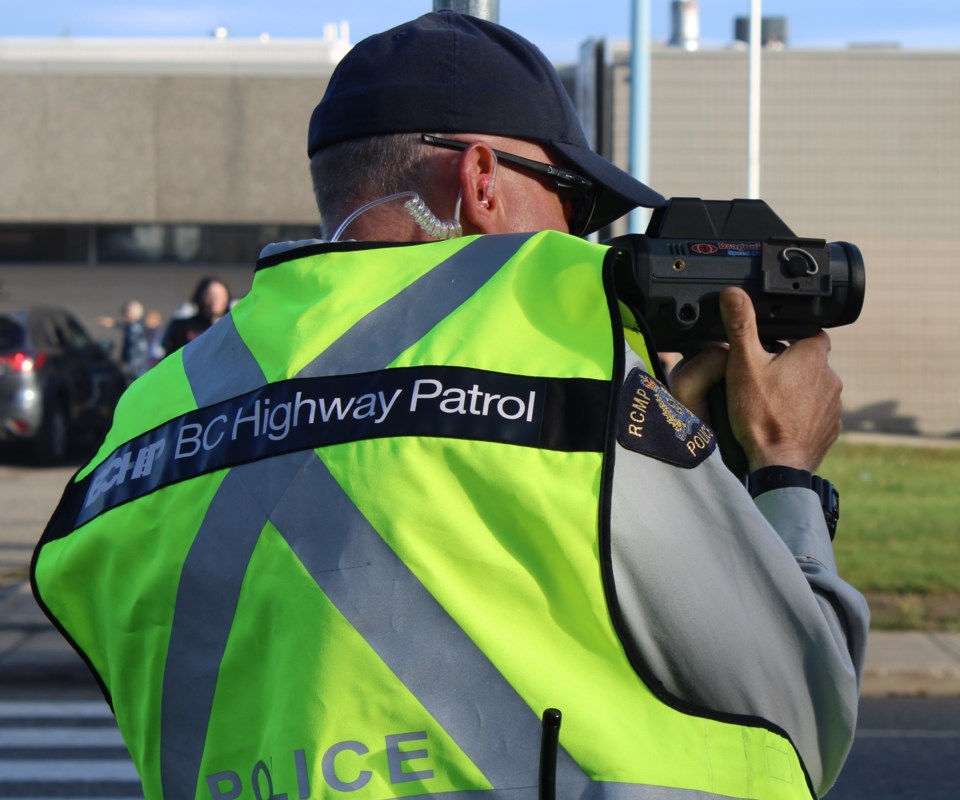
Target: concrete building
<point x="185" y="154"/>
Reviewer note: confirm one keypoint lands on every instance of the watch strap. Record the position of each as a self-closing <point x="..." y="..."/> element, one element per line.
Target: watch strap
<point x="767" y="479"/>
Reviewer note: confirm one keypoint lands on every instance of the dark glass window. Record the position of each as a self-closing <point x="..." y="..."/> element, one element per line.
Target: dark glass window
<point x="44" y="243"/>
<point x="143" y="244"/>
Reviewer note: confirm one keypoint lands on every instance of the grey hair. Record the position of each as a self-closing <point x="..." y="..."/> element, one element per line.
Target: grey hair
<point x="347" y="174"/>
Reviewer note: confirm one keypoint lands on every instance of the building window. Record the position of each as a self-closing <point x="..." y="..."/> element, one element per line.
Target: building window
<point x="142" y="244"/>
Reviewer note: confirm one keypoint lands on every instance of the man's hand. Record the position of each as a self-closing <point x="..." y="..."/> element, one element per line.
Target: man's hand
<point x="784" y="408"/>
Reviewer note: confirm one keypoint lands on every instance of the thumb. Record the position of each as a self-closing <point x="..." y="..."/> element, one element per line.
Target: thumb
<point x="739" y="321"/>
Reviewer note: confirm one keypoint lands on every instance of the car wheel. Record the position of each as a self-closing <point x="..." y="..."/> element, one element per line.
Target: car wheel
<point x="50" y="444"/>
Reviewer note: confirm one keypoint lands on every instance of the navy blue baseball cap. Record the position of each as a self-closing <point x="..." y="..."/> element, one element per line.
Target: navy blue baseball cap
<point x="450" y="73"/>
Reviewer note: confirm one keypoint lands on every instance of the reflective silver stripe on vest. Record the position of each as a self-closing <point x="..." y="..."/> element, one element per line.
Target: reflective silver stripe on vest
<point x="412" y="633"/>
<point x="383" y="334"/>
<point x="286" y="491"/>
<point x="205" y="356"/>
<point x="205" y="608"/>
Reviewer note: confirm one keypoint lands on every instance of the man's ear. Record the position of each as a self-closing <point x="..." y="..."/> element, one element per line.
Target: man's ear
<point x="480" y="209"/>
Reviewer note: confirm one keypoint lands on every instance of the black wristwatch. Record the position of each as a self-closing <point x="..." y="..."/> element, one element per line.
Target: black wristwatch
<point x="769" y="478"/>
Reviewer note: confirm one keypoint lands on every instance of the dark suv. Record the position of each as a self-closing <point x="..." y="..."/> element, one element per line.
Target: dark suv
<point x="57" y="386"/>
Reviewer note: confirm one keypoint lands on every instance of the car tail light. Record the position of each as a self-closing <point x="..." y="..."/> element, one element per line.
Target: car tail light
<point x="19" y="425"/>
<point x="21" y="362"/>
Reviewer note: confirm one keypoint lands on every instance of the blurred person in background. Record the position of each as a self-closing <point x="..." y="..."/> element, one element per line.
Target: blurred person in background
<point x="153" y="324"/>
<point x="134" y="357"/>
<point x="211" y="300"/>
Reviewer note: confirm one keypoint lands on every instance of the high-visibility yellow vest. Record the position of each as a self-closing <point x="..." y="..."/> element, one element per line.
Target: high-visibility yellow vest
<point x="355" y="539"/>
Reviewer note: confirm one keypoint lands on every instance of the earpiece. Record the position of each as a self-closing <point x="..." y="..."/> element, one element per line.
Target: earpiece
<point x="487" y="195"/>
<point x="422" y="215"/>
<point x="489" y="185"/>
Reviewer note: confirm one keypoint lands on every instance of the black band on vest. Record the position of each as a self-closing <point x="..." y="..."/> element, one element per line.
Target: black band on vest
<point x="307" y="413"/>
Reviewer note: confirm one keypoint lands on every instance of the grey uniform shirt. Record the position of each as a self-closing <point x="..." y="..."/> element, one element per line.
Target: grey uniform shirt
<point x="735" y="604"/>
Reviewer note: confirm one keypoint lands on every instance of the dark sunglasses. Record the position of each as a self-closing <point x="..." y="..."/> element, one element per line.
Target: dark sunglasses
<point x="580" y="191"/>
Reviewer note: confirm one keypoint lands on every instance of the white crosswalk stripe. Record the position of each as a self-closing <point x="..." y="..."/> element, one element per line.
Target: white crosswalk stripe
<point x="53" y="749"/>
<point x="55" y="709"/>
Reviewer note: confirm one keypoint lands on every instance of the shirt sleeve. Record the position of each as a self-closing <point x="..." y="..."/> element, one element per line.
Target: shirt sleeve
<point x="735" y="605"/>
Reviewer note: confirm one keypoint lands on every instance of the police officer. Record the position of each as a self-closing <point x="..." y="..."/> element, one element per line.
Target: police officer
<point x="420" y="486"/>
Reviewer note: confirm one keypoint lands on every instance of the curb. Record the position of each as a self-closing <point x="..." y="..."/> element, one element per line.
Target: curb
<point x="912" y="663"/>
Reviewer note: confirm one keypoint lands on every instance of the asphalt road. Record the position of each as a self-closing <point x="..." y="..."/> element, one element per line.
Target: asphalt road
<point x="28" y="496"/>
<point x="907" y="748"/>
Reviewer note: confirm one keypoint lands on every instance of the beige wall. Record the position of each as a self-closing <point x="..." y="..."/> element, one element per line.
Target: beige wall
<point x="115" y="148"/>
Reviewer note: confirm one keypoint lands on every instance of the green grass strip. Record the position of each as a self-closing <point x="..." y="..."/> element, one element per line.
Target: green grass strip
<point x="898" y="540"/>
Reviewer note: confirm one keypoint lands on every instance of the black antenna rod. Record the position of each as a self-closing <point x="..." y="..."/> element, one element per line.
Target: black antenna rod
<point x="549" y="742"/>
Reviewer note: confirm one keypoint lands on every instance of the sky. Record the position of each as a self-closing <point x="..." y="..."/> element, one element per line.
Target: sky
<point x="556" y="26"/>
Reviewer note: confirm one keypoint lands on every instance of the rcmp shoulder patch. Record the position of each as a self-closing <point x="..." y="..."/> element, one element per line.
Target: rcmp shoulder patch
<point x="652" y="422"/>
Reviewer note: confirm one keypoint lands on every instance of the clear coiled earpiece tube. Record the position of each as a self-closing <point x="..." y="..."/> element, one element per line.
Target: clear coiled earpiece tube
<point x="431" y="223"/>
<point x="421" y="213"/>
